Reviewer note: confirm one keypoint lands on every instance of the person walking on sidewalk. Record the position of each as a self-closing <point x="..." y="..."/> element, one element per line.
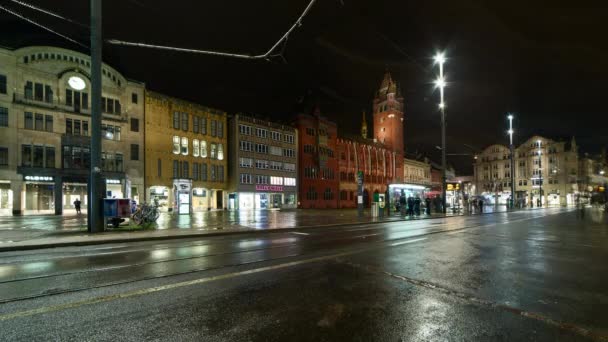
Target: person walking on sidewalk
<point x="417" y="203"/>
<point x="402" y="206"/>
<point x="481" y="206"/>
<point x="77" y="205"/>
<point x="410" y="206"/>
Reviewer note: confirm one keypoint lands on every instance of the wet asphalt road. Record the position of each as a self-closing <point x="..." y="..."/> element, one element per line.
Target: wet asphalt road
<point x="525" y="276"/>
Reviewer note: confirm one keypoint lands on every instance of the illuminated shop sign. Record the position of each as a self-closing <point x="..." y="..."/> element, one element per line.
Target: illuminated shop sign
<point x="39" y="178"/>
<point x="112" y="181"/>
<point x="263" y="187"/>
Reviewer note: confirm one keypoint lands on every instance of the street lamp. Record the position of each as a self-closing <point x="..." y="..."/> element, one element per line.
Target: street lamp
<point x="440" y="83"/>
<point x="511" y="148"/>
<point x="540" y="172"/>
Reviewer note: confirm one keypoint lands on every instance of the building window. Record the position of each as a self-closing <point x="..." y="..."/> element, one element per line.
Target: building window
<point x="213" y="173"/>
<point x="49" y="157"/>
<point x="108" y="132"/>
<point x="176" y="146"/>
<point x="176" y="120"/>
<point x="48" y="123"/>
<point x="275" y="135"/>
<point x="185" y="170"/>
<point x="288" y="138"/>
<point x="291" y="167"/>
<point x="3" y="156"/>
<point x="261" y="133"/>
<point x="203" y="123"/>
<point x="261" y="164"/>
<point x="276" y="180"/>
<point x="26" y="155"/>
<point x="278" y="166"/>
<point x="175" y="169"/>
<point x="195" y="148"/>
<point x="28" y="90"/>
<point x="185" y="119"/>
<point x="2" y="84"/>
<point x="195" y="172"/>
<point x="261" y="179"/>
<point x="220" y="129"/>
<point x="203" y="149"/>
<point x="38" y="156"/>
<point x="159" y="168"/>
<point x="134" y="125"/>
<point x="220" y="172"/>
<point x="28" y="120"/>
<point x="3" y="117"/>
<point x="311" y="194"/>
<point x="310" y="131"/>
<point x="204" y="172"/>
<point x="245" y="130"/>
<point x="133" y="98"/>
<point x="213" y="151"/>
<point x="134" y="152"/>
<point x="39" y="122"/>
<point x="309" y="149"/>
<point x="289" y="181"/>
<point x="276" y="150"/>
<point x="220" y="152"/>
<point x="245" y="162"/>
<point x="246" y="178"/>
<point x="195" y="124"/>
<point x="328" y="195"/>
<point x="185" y="146"/>
<point x="288" y="152"/>
<point x="261" y="148"/>
<point x="213" y="128"/>
<point x="246" y="146"/>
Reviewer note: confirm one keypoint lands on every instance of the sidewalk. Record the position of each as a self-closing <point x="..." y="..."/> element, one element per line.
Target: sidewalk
<point x="36" y="232"/>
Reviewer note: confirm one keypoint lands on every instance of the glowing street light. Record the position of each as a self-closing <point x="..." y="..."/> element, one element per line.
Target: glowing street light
<point x="512" y="152"/>
<point x="440" y="83"/>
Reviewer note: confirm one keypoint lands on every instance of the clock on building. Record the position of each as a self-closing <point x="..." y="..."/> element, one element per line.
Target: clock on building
<point x="76" y="83"/>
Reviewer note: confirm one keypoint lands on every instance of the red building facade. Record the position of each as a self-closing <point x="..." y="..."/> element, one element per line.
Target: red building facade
<point x="328" y="165"/>
<point x="318" y="164"/>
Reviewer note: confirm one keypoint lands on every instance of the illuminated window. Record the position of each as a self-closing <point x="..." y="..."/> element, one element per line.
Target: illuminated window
<point x="195" y="147"/>
<point x="220" y="152"/>
<point x="203" y="149"/>
<point x="276" y="180"/>
<point x="185" y="146"/>
<point x="176" y="147"/>
<point x="213" y="151"/>
<point x="289" y="181"/>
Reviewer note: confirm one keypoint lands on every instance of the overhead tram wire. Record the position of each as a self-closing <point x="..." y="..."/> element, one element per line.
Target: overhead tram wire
<point x="52" y="14"/>
<point x="43" y="27"/>
<point x="265" y="56"/>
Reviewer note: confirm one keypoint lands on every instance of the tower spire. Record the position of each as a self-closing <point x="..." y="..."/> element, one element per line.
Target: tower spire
<point x="364" y="127"/>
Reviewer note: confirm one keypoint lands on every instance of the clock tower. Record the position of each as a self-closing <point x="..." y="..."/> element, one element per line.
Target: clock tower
<point x="388" y="115"/>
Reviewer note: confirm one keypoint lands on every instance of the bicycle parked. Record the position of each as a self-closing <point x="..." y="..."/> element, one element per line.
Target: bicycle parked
<point x="145" y="213"/>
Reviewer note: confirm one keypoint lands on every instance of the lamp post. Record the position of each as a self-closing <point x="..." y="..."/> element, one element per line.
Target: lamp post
<point x="540" y="173"/>
<point x="440" y="83"/>
<point x="511" y="148"/>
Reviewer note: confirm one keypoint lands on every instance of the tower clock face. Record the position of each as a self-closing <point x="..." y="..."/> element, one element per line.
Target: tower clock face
<point x="76" y="83"/>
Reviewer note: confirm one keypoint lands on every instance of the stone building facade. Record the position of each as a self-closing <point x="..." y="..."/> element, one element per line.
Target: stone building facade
<point x="186" y="147"/>
<point x="545" y="170"/>
<point x="263" y="164"/>
<point x="45" y="127"/>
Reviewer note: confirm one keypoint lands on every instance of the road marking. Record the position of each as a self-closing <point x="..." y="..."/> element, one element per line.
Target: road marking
<point x="366" y="235"/>
<point x="597" y="336"/>
<point x="404" y="242"/>
<point x="300" y="233"/>
<point x="141" y="292"/>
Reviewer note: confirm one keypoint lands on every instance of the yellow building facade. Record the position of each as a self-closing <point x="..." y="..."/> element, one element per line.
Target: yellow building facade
<point x="186" y="155"/>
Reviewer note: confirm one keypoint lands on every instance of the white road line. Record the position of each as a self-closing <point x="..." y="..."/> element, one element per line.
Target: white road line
<point x="300" y="233"/>
<point x="404" y="242"/>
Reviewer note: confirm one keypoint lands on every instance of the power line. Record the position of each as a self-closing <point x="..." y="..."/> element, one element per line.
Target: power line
<point x="42" y="26"/>
<point x="53" y="14"/>
<point x="266" y="55"/>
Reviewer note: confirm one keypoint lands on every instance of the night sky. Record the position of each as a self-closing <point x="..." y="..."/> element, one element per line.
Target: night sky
<point x="545" y="61"/>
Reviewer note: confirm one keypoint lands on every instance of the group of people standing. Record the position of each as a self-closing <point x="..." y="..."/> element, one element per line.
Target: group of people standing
<point x="412" y="206"/>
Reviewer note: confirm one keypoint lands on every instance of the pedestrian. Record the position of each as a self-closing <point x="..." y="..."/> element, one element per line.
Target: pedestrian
<point x="417" y="203"/>
<point x="410" y="206"/>
<point x="402" y="204"/>
<point x="427" y="203"/>
<point x="480" y="203"/>
<point x="77" y="205"/>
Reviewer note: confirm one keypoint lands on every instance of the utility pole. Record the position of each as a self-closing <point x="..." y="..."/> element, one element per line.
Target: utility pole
<point x="94" y="211"/>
